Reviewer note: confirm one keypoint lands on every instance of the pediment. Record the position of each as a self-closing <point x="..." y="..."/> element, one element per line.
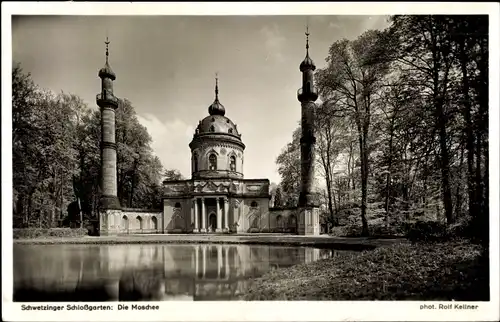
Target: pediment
<point x="210" y="187"/>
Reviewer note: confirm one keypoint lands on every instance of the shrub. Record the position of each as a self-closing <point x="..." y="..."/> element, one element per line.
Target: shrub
<point x="30" y="233"/>
<point x="426" y="231"/>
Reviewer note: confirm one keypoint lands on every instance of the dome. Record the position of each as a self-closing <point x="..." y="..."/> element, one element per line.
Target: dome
<point x="307" y="63"/>
<point x="106" y="71"/>
<point x="216" y="108"/>
<point x="217" y="124"/>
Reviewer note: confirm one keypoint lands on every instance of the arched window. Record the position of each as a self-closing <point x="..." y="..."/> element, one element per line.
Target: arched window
<point x="125" y="222"/>
<point x="212" y="128"/>
<point x="177" y="205"/>
<point x="195" y="162"/>
<point x="139" y="221"/>
<point x="155" y="222"/>
<point x="212" y="162"/>
<point x="232" y="163"/>
<point x="254" y="204"/>
<point x="279" y="221"/>
<point x="230" y="131"/>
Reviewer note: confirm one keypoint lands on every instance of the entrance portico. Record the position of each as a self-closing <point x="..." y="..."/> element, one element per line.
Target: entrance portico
<point x="201" y="215"/>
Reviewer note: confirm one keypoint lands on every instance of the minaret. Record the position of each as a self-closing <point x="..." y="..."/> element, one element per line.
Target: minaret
<point x="108" y="104"/>
<point x="307" y="95"/>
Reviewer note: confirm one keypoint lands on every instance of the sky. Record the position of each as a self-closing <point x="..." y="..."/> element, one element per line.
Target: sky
<point x="166" y="65"/>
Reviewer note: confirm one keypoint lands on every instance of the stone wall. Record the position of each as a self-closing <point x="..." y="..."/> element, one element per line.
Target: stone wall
<point x="223" y="153"/>
<point x="177" y="215"/>
<point x="130" y="221"/>
<point x="141" y="221"/>
<point x="309" y="221"/>
<point x="284" y="219"/>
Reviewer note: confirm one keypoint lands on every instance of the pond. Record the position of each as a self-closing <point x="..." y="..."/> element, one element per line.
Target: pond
<point x="148" y="272"/>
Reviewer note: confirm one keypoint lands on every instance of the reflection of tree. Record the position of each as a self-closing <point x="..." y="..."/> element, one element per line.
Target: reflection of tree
<point x="141" y="285"/>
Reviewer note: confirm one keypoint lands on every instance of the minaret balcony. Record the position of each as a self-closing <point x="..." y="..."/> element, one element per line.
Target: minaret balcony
<point x="310" y="94"/>
<point x="106" y="100"/>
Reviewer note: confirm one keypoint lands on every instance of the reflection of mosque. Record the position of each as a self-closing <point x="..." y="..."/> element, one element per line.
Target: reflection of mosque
<point x="158" y="272"/>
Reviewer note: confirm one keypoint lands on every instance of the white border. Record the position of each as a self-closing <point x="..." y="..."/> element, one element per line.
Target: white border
<point x="249" y="311"/>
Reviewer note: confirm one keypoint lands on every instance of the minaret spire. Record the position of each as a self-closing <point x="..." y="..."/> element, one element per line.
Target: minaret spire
<point x="216" y="108"/>
<point x="216" y="86"/>
<point x="307" y="39"/>
<point x="107" y="48"/>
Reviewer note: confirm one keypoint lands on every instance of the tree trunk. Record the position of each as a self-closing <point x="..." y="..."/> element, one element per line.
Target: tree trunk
<point x="479" y="180"/>
<point x="389" y="169"/>
<point x="364" y="184"/>
<point x="458" y="193"/>
<point x="469" y="130"/>
<point x="445" y="166"/>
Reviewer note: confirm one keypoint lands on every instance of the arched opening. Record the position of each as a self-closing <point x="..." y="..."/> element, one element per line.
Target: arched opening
<point x="292" y="223"/>
<point x="139" y="222"/>
<point x="255" y="221"/>
<point x="195" y="162"/>
<point x="212" y="222"/>
<point x="155" y="222"/>
<point x="254" y="204"/>
<point x="279" y="222"/>
<point x="232" y="163"/>
<point x="177" y="205"/>
<point x="125" y="223"/>
<point x="212" y="162"/>
<point x="212" y="128"/>
<point x="230" y="131"/>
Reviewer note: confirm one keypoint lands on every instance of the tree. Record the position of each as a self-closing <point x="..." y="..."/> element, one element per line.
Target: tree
<point x="288" y="162"/>
<point x="172" y="174"/>
<point x="277" y="198"/>
<point x="355" y="73"/>
<point x="330" y="123"/>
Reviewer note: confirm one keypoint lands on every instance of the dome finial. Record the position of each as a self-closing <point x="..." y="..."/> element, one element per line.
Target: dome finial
<point x="216" y="108"/>
<point x="307" y="38"/>
<point x="107" y="49"/>
<point x="216" y="86"/>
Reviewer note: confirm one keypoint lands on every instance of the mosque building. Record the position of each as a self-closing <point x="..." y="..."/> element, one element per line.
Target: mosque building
<point x="217" y="197"/>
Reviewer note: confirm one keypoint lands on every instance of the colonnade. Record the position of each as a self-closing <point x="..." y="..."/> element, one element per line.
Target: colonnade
<point x="200" y="258"/>
<point x="204" y="215"/>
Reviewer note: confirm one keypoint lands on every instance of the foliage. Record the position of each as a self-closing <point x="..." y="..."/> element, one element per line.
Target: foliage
<point x="289" y="166"/>
<point x="56" y="155"/>
<point x="31" y="233"/>
<point x="403" y="125"/>
<point x="445" y="271"/>
<point x="277" y="198"/>
<point x="172" y="174"/>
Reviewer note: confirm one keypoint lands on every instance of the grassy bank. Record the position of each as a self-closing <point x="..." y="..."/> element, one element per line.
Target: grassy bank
<point x="440" y="271"/>
<point x="360" y="243"/>
<point x="41" y="233"/>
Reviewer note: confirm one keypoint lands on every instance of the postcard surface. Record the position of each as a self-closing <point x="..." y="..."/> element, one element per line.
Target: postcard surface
<point x="250" y="162"/>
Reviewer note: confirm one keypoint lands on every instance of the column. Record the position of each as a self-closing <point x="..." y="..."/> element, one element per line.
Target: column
<point x="204" y="260"/>
<point x="191" y="222"/>
<point x="203" y="216"/>
<point x="226" y="213"/>
<point x="196" y="259"/>
<point x="196" y="216"/>
<point x="219" y="259"/>
<point x="219" y="215"/>
<point x="226" y="260"/>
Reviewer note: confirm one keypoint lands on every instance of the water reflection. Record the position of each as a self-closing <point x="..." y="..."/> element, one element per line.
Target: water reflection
<point x="147" y="272"/>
